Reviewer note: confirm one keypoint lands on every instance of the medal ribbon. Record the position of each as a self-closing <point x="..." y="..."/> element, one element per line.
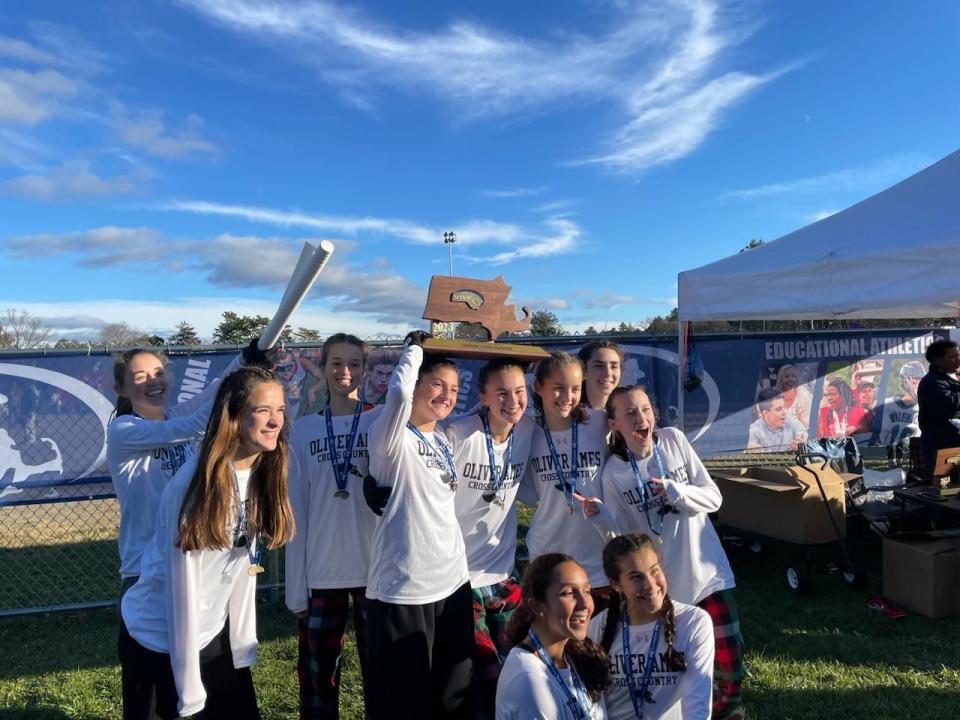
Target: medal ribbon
<point x="568" y="487"/>
<point x="448" y="458"/>
<point x="341" y="472"/>
<point x="496" y="482"/>
<point x="638" y="698"/>
<point x="579" y="700"/>
<point x="241" y="528"/>
<point x="645" y="496"/>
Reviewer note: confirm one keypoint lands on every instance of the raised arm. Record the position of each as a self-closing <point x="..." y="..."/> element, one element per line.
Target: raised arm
<point x="700" y="494"/>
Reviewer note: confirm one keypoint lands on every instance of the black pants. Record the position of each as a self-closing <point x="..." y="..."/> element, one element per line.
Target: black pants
<point x="421" y="658"/>
<point x="149" y="692"/>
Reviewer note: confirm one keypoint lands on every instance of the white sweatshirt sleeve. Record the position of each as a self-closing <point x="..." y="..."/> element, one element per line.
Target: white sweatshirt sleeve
<point x="243" y="622"/>
<point x="295" y="565"/>
<point x="183" y="580"/>
<point x="696" y="691"/>
<point x="701" y="494"/>
<point x="386" y="434"/>
<point x="206" y="396"/>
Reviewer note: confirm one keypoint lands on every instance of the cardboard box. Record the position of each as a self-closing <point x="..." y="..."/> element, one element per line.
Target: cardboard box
<point x="921" y="571"/>
<point x="783" y="503"/>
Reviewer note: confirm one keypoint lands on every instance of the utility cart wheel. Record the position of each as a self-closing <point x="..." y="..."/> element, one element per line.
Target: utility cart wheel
<point x="798" y="577"/>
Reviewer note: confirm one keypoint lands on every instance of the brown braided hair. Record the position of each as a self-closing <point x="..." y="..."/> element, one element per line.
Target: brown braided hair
<point x="588" y="657"/>
<point x="613" y="553"/>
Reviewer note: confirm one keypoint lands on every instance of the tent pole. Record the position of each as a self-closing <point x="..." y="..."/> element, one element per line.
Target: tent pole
<point x="681" y="353"/>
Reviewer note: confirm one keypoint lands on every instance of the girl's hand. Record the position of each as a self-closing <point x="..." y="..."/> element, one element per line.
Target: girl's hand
<point x="656" y="484"/>
<point x="591" y="506"/>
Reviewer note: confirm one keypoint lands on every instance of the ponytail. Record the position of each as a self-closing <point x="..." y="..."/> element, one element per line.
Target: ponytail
<point x="675" y="659"/>
<point x="614" y="613"/>
<point x="592" y="664"/>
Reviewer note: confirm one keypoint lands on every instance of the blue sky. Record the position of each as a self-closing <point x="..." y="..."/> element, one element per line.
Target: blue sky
<point x="164" y="161"/>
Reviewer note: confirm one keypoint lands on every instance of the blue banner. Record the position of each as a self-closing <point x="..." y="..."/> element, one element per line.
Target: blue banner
<point x="756" y="393"/>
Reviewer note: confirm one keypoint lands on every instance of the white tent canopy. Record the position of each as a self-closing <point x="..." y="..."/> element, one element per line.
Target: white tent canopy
<point x="893" y="255"/>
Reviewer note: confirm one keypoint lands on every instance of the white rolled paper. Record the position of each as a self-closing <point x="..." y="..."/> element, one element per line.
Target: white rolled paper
<point x="311" y="262"/>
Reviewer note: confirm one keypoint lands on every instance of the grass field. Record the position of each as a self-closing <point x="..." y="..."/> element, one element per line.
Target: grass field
<point x="822" y="656"/>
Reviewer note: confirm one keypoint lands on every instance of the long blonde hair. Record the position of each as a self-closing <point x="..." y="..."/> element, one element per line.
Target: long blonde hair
<point x="210" y="506"/>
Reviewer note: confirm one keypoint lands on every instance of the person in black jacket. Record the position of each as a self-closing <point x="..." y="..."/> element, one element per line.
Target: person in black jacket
<point x="939" y="398"/>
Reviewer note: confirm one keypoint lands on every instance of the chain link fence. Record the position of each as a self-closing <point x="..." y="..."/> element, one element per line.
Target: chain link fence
<point x="58" y="542"/>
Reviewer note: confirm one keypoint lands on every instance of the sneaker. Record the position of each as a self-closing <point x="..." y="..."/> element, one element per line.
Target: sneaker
<point x="882" y="607"/>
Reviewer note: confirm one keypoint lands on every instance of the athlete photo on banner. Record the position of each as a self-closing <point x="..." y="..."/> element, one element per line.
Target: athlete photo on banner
<point x="895" y="416"/>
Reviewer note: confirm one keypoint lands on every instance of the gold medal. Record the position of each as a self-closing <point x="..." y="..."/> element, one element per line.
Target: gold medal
<point x="254" y="570"/>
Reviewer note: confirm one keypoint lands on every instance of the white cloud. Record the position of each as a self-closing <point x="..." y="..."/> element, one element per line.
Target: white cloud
<point x="659" y="66"/>
<point x="27" y="97"/>
<point x="550" y="303"/>
<point x="74" y="180"/>
<point x="149" y="131"/>
<point x="529" y="242"/>
<point x="866" y="178"/>
<point x="25" y="52"/>
<point x="607" y="300"/>
<point x="100" y="247"/>
<point x="821" y="215"/>
<point x="561" y="241"/>
<point x="513" y="192"/>
<point x="231" y="261"/>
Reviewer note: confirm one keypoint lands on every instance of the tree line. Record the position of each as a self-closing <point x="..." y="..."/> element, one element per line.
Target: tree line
<point x="21" y="331"/>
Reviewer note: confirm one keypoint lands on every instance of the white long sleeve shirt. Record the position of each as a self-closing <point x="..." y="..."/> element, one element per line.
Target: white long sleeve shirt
<point x="489" y="528"/>
<point x="527" y="691"/>
<point x="331" y="548"/>
<point x="554" y="529"/>
<point x="183" y="599"/>
<point x="673" y="695"/>
<point x="417" y="555"/>
<point x="142" y="456"/>
<point x="692" y="557"/>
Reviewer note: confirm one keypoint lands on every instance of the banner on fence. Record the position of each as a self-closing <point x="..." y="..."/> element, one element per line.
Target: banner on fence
<point x="758" y="393"/>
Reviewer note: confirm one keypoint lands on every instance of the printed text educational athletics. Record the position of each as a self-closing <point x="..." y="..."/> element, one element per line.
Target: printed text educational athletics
<point x="846" y="347"/>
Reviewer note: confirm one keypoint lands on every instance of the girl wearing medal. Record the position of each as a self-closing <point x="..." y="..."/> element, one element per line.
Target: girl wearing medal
<point x="568" y="451"/>
<point x="189" y="623"/>
<point x="490" y="450"/>
<point x="661" y="652"/>
<point x="555" y="672"/>
<point x="419" y="616"/>
<point x="602" y="362"/>
<point x="328" y="559"/>
<point x="147" y="443"/>
<point x="654" y="483"/>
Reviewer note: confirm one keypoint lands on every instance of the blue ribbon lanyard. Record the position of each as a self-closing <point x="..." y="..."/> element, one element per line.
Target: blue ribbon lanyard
<point x="342" y="471"/>
<point x="449" y="478"/>
<point x="577" y="703"/>
<point x="496" y="482"/>
<point x="638" y="698"/>
<point x="645" y="495"/>
<point x="568" y="487"/>
<point x="254" y="546"/>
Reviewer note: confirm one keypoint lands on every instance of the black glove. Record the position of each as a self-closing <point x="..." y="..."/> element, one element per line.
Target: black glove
<point x="375" y="496"/>
<point x="416" y="337"/>
<point x="253" y="355"/>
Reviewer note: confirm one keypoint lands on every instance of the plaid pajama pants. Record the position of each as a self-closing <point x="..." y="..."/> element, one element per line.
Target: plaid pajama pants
<point x="321" y="649"/>
<point x="493" y="606"/>
<point x="728" y="668"/>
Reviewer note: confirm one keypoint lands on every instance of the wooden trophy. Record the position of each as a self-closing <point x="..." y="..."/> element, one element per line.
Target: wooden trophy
<point x="483" y="303"/>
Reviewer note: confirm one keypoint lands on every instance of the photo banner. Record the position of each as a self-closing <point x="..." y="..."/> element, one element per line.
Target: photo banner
<point x="761" y="393"/>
